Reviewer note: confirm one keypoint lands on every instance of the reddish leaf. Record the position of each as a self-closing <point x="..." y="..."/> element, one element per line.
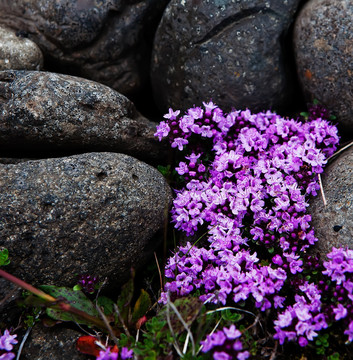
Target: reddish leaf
<point x="141" y="321"/>
<point x="87" y="345"/>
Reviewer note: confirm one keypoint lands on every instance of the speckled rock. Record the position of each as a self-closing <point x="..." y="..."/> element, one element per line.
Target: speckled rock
<point x="228" y="51"/>
<point x="323" y="42"/>
<point x="52" y="343"/>
<point x="333" y="223"/>
<point x="10" y="312"/>
<point x="49" y="112"/>
<point x="91" y="213"/>
<point x="17" y="52"/>
<point x="108" y="41"/>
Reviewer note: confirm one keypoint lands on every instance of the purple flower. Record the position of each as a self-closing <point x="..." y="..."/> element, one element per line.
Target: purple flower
<point x="349" y="331"/>
<point x="243" y="355"/>
<point x="340" y="312"/>
<point x="221" y="356"/>
<point x="162" y="130"/>
<point x="126" y="353"/>
<point x="179" y="143"/>
<point x="232" y="332"/>
<point x="172" y="115"/>
<point x="107" y="355"/>
<point x="7" y="356"/>
<point x="7" y="340"/>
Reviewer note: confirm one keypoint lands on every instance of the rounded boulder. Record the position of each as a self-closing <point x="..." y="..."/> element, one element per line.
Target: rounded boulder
<point x="227" y="51"/>
<point x="93" y="213"/>
<point x="333" y="221"/>
<point x="323" y="44"/>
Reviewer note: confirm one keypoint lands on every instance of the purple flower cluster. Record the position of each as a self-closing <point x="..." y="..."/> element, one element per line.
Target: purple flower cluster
<point x="339" y="269"/>
<point x="87" y="283"/>
<point x="6" y="345"/>
<point x="224" y="274"/>
<point x="248" y="179"/>
<point x="304" y="319"/>
<point x="125" y="353"/>
<point x="225" y="344"/>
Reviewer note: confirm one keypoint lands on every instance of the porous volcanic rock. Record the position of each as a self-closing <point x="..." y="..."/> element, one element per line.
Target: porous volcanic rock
<point x="91" y="213"/>
<point x="108" y="41"/>
<point x="228" y="51"/>
<point x="323" y="43"/>
<point x="49" y="112"/>
<point x="17" y="52"/>
<point x="333" y="223"/>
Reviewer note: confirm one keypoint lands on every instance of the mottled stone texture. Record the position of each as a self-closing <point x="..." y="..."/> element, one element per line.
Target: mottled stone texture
<point x="227" y="51"/>
<point x="17" y="52"/>
<point x="91" y="213"/>
<point x="52" y="343"/>
<point x="48" y="112"/>
<point x="108" y="41"/>
<point x="333" y="224"/>
<point x="323" y="41"/>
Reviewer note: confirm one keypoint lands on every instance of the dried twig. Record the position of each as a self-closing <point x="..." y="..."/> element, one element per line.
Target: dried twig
<point x="175" y="344"/>
<point x="340" y="150"/>
<point x="322" y="191"/>
<point x="159" y="271"/>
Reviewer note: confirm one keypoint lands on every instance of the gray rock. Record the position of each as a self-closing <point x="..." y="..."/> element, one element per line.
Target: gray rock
<point x="10" y="312"/>
<point x="91" y="213"/>
<point x="18" y="53"/>
<point x="227" y="51"/>
<point x="52" y="112"/>
<point x="108" y="41"/>
<point x="52" y="343"/>
<point x="333" y="223"/>
<point x="323" y="42"/>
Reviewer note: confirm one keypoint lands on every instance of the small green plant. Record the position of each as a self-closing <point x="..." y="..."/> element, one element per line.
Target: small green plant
<point x="4" y="257"/>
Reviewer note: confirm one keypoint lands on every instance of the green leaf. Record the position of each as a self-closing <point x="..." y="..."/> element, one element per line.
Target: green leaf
<point x="231" y="316"/>
<point x="4" y="257"/>
<point x="76" y="299"/>
<point x="77" y="287"/>
<point x="334" y="356"/>
<point x="142" y="305"/>
<point x="164" y="170"/>
<point x="124" y="300"/>
<point x="107" y="304"/>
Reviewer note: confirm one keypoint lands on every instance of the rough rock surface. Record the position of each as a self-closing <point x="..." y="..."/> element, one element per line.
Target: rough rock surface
<point x="227" y="51"/>
<point x="17" y="52"/>
<point x="48" y="112"/>
<point x="333" y="224"/>
<point x="52" y="343"/>
<point x="91" y="213"/>
<point x="10" y="312"/>
<point x="323" y="42"/>
<point x="107" y="41"/>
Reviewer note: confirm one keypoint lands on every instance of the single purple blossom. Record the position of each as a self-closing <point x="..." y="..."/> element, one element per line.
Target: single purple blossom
<point x="7" y="340"/>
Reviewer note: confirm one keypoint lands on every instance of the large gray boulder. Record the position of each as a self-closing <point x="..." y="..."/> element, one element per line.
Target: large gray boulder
<point x="108" y="41"/>
<point x="229" y="51"/>
<point x="51" y="112"/>
<point x="92" y="213"/>
<point x="333" y="223"/>
<point x="323" y="43"/>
